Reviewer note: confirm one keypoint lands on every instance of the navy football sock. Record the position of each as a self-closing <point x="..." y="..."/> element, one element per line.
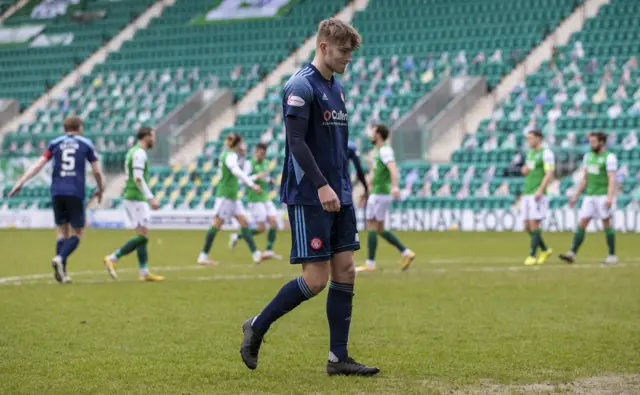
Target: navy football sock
<point x="68" y="247"/>
<point x="59" y="244"/>
<point x="290" y="296"/>
<point x="339" y="305"/>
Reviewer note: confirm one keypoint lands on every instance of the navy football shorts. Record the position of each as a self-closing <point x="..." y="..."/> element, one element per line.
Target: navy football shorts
<point x="316" y="235"/>
<point x="69" y="210"/>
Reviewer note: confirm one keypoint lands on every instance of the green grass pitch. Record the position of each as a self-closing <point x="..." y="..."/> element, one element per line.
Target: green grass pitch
<point x="467" y="316"/>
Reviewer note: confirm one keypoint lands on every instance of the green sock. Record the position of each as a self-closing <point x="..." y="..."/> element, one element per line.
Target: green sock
<point x="143" y="256"/>
<point x="611" y="240"/>
<point x="535" y="241"/>
<point x="208" y="240"/>
<point x="271" y="238"/>
<point x="247" y="235"/>
<point x="541" y="243"/>
<point x="253" y="233"/>
<point x="372" y="242"/>
<point x="393" y="240"/>
<point x="578" y="238"/>
<point x="130" y="246"/>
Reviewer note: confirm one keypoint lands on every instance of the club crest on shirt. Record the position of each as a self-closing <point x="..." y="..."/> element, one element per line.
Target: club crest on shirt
<point x="295" y="101"/>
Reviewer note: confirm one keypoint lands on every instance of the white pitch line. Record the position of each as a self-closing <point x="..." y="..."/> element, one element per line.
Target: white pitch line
<point x="30" y="279"/>
<point x="435" y="261"/>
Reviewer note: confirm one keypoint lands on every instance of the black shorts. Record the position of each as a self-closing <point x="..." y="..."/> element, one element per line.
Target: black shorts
<point x="316" y="235"/>
<point x="69" y="210"/>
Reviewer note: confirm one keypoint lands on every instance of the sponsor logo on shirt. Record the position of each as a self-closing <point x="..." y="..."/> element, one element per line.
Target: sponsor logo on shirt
<point x="333" y="115"/>
<point x="295" y="101"/>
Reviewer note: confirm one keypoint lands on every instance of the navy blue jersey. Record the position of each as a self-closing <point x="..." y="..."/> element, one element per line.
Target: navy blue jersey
<point x="70" y="154"/>
<point x="310" y="96"/>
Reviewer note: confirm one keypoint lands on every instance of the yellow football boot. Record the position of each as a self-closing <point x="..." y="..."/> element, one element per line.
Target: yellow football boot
<point x="151" y="277"/>
<point x="407" y="260"/>
<point x="111" y="267"/>
<point x="543" y="256"/>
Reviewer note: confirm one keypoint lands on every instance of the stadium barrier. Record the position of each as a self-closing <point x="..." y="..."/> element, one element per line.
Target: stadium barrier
<point x="406" y="220"/>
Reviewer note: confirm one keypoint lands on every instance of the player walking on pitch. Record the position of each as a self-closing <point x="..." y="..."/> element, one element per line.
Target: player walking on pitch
<point x="261" y="209"/>
<point x="538" y="171"/>
<point x="227" y="204"/>
<point x="600" y="182"/>
<point x="384" y="187"/>
<point x="317" y="190"/>
<point x="70" y="154"/>
<point x="137" y="200"/>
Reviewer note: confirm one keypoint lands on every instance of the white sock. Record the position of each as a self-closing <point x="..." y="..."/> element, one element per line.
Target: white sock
<point x="370" y="263"/>
<point x="144" y="272"/>
<point x="203" y="256"/>
<point x="406" y="252"/>
<point x="113" y="258"/>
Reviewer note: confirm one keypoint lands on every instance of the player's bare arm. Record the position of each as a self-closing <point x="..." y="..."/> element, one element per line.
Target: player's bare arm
<point x="549" y="168"/>
<point x="611" y="188"/>
<point x="296" y="133"/>
<point x="581" y="188"/>
<point x="139" y="161"/>
<point x="524" y="170"/>
<point x="99" y="177"/>
<point x="35" y="169"/>
<point x="395" y="179"/>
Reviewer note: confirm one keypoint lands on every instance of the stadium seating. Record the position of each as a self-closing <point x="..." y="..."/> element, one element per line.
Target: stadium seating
<point x="162" y="66"/>
<point x="585" y="82"/>
<point x="27" y="71"/>
<point x="407" y="48"/>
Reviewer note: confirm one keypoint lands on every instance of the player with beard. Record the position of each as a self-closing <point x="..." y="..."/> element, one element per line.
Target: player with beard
<point x="599" y="180"/>
<point x="138" y="199"/>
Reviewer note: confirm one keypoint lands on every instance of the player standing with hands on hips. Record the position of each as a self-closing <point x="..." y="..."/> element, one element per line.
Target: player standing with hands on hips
<point x="317" y="190"/>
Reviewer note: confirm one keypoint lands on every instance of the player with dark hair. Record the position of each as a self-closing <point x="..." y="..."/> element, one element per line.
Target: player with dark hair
<point x="385" y="186"/>
<point x="70" y="154"/>
<point x="227" y="204"/>
<point x="261" y="209"/>
<point x="137" y="200"/>
<point x="538" y="171"/>
<point x="317" y="190"/>
<point x="599" y="180"/>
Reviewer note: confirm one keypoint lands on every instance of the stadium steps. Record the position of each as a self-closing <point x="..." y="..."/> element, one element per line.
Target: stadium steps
<point x="12" y="10"/>
<point x="250" y="101"/>
<point x="444" y="148"/>
<point x="85" y="68"/>
<point x="247" y="104"/>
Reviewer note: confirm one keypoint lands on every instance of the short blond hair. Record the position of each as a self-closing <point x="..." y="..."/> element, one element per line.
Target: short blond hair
<point x="338" y="32"/>
<point x="72" y="123"/>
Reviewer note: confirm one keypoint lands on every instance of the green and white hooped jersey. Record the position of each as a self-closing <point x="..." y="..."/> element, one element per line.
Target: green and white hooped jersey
<point x="136" y="159"/>
<point x="539" y="162"/>
<point x="381" y="183"/>
<point x="228" y="185"/>
<point x="597" y="166"/>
